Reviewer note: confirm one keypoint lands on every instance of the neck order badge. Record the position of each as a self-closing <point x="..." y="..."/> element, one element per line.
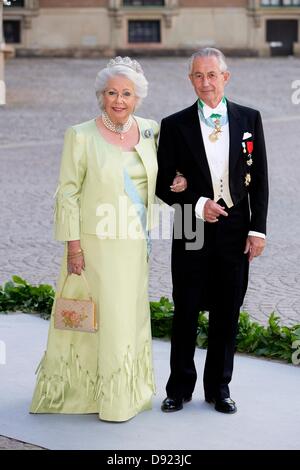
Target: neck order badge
<point x="215" y="120"/>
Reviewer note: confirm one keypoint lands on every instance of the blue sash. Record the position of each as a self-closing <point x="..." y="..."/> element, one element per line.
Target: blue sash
<point x="136" y="199"/>
<point x="210" y="121"/>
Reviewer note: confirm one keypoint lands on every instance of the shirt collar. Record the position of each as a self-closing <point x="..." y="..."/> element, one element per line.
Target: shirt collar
<point x="221" y="108"/>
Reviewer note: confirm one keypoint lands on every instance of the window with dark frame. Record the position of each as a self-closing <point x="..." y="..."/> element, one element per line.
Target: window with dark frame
<point x="16" y="3"/>
<point x="143" y="3"/>
<point x="12" y="31"/>
<point x="280" y="3"/>
<point x="144" y="31"/>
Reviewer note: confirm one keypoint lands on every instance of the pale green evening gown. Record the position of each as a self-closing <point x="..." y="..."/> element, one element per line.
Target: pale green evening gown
<point x="108" y="372"/>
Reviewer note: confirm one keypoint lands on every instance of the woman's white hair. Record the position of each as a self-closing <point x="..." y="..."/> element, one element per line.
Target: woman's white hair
<point x="137" y="78"/>
<point x="209" y="52"/>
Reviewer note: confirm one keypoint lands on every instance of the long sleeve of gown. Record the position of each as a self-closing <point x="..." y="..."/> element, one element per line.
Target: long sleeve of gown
<point x="71" y="177"/>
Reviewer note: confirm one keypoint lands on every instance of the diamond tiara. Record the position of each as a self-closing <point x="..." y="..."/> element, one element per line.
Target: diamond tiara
<point x="127" y="62"/>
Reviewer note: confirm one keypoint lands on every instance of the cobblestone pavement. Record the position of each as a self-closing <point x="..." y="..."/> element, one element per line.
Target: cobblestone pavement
<point x="12" y="444"/>
<point x="45" y="96"/>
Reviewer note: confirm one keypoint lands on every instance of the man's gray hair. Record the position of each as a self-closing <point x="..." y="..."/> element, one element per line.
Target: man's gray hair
<point x="209" y="52"/>
<point x="138" y="79"/>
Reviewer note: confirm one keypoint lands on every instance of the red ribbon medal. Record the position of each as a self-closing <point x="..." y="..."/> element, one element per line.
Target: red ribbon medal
<point x="249" y="146"/>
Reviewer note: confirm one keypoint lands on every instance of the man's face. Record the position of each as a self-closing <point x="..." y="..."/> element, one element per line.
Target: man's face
<point x="208" y="80"/>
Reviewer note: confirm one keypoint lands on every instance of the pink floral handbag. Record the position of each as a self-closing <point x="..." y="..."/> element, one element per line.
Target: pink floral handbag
<point x="75" y="314"/>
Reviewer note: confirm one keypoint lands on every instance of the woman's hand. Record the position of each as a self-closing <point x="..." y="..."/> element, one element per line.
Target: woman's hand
<point x="75" y="257"/>
<point x="179" y="184"/>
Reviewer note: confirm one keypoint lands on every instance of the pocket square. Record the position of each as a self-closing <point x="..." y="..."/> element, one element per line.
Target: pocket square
<point x="247" y="135"/>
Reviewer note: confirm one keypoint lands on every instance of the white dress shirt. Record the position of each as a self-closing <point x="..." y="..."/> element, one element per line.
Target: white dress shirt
<point x="217" y="154"/>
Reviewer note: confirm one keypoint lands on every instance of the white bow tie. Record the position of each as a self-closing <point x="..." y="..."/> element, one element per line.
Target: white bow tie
<point x="220" y="109"/>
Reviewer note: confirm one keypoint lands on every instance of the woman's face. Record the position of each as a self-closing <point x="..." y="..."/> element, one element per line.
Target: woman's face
<point x="119" y="99"/>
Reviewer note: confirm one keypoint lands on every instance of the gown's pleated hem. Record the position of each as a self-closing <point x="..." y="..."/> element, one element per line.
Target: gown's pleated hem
<point x="94" y="411"/>
<point x="75" y="390"/>
<point x="119" y="418"/>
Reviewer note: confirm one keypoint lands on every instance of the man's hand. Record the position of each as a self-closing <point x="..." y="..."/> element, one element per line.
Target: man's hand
<point x="212" y="211"/>
<point x="254" y="246"/>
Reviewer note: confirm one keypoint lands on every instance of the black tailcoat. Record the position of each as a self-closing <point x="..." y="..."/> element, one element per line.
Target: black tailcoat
<point x="215" y="277"/>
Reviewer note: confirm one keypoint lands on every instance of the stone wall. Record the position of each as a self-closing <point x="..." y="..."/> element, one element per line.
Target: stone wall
<point x="2" y="83"/>
<point x="73" y="3"/>
<point x="100" y="27"/>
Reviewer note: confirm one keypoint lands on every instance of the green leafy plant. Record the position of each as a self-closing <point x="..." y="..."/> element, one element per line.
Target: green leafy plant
<point x="161" y="317"/>
<point x="19" y="295"/>
<point x="273" y="341"/>
<point x="202" y="330"/>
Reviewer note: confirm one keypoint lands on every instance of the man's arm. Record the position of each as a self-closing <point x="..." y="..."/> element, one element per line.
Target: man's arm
<point x="168" y="164"/>
<point x="258" y="194"/>
<point x="258" y="189"/>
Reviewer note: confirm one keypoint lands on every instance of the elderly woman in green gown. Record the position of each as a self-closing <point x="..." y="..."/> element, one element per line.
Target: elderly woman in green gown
<point x="103" y="214"/>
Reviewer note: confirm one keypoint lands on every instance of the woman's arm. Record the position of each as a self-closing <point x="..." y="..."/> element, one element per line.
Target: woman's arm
<point x="72" y="173"/>
<point x="67" y="206"/>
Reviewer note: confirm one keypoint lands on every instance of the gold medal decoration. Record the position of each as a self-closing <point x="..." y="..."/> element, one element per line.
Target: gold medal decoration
<point x="247" y="179"/>
<point x="214" y="136"/>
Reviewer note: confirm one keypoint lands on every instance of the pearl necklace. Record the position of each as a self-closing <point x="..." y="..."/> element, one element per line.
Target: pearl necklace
<point x="118" y="128"/>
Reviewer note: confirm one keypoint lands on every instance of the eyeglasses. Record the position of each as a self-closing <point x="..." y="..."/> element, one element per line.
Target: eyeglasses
<point x="112" y="94"/>
<point x="211" y="76"/>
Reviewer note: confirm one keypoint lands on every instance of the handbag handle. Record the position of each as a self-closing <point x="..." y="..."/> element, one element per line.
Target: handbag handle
<point x="85" y="281"/>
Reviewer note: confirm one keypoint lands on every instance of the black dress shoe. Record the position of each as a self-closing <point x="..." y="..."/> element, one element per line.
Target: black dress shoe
<point x="186" y="400"/>
<point x="224" y="405"/>
<point x="173" y="404"/>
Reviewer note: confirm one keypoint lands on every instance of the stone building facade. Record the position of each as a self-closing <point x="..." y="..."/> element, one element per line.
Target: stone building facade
<point x="105" y="27"/>
<point x="2" y="82"/>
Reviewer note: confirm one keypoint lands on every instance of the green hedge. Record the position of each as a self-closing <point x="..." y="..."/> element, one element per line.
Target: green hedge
<point x="273" y="341"/>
